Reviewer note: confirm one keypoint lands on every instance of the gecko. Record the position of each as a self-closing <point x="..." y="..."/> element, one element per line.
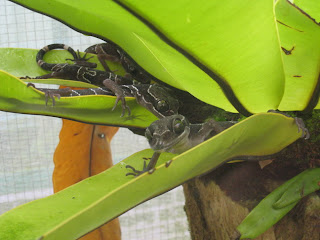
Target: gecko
<point x="200" y="110"/>
<point x="105" y="51"/>
<point x="111" y="52"/>
<point x="156" y="98"/>
<point x="83" y="71"/>
<point x="176" y="135"/>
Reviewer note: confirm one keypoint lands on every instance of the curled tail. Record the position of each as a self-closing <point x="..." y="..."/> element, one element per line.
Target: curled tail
<point x="44" y="50"/>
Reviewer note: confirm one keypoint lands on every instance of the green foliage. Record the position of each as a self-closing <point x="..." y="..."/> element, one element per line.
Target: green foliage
<point x="206" y="51"/>
<point x="278" y="203"/>
<point x="309" y="7"/>
<point x="93" y="201"/>
<point x="249" y="56"/>
<point x="313" y="124"/>
<point x="299" y="38"/>
<point x="94" y="109"/>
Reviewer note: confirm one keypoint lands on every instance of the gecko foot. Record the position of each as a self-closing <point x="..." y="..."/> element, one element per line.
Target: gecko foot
<point x="83" y="61"/>
<point x="118" y="91"/>
<point x="31" y="85"/>
<point x="302" y="128"/>
<point x="123" y="105"/>
<point x="56" y="93"/>
<point x="299" y="122"/>
<point x="52" y="93"/>
<point x="137" y="172"/>
<point x="146" y="168"/>
<point x="26" y="77"/>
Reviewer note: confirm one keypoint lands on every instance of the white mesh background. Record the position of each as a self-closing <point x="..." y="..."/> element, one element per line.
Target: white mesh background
<point x="27" y="142"/>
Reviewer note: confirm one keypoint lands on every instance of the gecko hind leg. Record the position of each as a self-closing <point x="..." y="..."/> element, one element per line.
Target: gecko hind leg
<point x="58" y="93"/>
<point x="52" y="96"/>
<point x="52" y="93"/>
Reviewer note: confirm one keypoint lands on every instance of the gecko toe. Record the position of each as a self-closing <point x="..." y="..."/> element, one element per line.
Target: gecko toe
<point x="129" y="166"/>
<point x="52" y="96"/>
<point x="136" y="172"/>
<point x="31" y="85"/>
<point x="26" y="77"/>
<point x="302" y="128"/>
<point x="124" y="106"/>
<point x="131" y="174"/>
<point x="129" y="110"/>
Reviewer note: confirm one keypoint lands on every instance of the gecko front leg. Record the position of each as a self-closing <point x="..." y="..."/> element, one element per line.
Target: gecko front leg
<point x="146" y="168"/>
<point x="176" y="135"/>
<point x="165" y="135"/>
<point x="118" y="91"/>
<point x="105" y="51"/>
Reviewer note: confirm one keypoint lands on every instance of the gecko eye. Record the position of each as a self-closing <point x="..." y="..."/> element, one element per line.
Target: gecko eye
<point x="131" y="68"/>
<point x="162" y="106"/>
<point x="148" y="135"/>
<point x="178" y="126"/>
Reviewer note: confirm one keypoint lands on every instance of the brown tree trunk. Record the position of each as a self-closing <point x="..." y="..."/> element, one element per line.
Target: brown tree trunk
<point x="217" y="202"/>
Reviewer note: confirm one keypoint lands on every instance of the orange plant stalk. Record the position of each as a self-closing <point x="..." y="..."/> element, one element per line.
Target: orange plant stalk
<point x="83" y="151"/>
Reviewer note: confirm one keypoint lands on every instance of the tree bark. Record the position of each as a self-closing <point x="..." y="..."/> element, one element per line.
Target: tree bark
<point x="217" y="202"/>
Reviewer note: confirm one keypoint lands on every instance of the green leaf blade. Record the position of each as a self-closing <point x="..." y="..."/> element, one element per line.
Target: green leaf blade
<point x="306" y="183"/>
<point x="88" y="204"/>
<point x="255" y="62"/>
<point x="277" y="204"/>
<point x="15" y="96"/>
<point x="21" y="62"/>
<point x="299" y="37"/>
<point x="210" y="33"/>
<point x="310" y="7"/>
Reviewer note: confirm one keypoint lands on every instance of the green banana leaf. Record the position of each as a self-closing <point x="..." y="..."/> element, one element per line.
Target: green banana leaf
<point x="15" y="96"/>
<point x="310" y="7"/>
<point x="21" y="62"/>
<point x="90" y="203"/>
<point x="227" y="54"/>
<point x="278" y="203"/>
<point x="299" y="37"/>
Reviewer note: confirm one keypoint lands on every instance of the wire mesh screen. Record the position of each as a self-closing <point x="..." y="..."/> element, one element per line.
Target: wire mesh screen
<point x="27" y="142"/>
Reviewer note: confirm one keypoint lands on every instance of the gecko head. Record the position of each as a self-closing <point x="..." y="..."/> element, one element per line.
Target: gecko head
<point x="128" y="65"/>
<point x="164" y="100"/>
<point x="168" y="133"/>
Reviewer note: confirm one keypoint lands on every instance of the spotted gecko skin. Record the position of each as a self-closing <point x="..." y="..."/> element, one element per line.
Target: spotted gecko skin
<point x="78" y="71"/>
<point x="175" y="134"/>
<point x="158" y="99"/>
<point x="51" y="66"/>
<point x="110" y="52"/>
